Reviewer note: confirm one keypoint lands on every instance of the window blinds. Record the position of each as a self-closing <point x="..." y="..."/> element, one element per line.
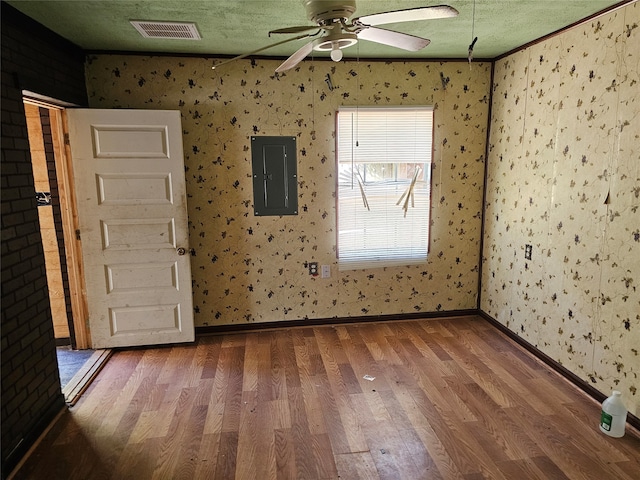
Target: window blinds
<point x="385" y="135"/>
<point x="373" y="228"/>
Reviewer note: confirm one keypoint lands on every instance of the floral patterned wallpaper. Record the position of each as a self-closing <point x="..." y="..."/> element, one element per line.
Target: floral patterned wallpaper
<point x="564" y="177"/>
<point x="252" y="269"/>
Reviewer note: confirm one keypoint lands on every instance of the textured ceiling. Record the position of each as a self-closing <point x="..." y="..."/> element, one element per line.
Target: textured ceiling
<point x="233" y="27"/>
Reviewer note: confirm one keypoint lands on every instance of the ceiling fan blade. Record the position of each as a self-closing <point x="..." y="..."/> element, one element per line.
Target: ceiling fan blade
<point x="393" y="39"/>
<point x="299" y="29"/>
<point x="408" y="15"/>
<point x="296" y="58"/>
<point x="224" y="62"/>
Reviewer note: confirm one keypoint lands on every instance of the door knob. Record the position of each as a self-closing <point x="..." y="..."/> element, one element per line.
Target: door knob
<point x="181" y="251"/>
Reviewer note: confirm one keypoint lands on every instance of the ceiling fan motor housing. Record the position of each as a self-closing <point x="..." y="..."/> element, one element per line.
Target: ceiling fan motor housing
<point x="326" y="11"/>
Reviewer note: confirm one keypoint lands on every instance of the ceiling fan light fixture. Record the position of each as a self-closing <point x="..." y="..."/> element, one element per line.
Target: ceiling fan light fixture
<point x="334" y="43"/>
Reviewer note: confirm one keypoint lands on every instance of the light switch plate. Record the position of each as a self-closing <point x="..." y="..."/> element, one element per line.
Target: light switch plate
<point x="326" y="271"/>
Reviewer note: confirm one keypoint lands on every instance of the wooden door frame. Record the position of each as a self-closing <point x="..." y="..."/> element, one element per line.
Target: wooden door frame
<point x="72" y="237"/>
<point x="69" y="212"/>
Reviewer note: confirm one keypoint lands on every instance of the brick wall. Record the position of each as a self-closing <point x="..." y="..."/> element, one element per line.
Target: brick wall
<point x="34" y="59"/>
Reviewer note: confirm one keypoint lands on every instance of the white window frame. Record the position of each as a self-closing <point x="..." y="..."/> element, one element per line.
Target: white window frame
<point x="372" y="145"/>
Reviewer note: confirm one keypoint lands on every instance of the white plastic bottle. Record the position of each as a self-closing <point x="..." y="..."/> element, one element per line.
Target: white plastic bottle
<point x="613" y="418"/>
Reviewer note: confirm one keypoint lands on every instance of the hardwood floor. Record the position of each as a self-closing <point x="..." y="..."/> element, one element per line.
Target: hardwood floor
<point x="449" y="399"/>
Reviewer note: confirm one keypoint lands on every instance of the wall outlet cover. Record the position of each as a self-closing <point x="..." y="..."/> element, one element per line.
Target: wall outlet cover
<point x="313" y="268"/>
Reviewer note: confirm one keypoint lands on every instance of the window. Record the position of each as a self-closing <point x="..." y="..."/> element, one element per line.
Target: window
<point x="384" y="184"/>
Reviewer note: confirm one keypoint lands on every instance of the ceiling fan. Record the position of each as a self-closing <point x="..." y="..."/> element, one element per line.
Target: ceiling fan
<point x="336" y="33"/>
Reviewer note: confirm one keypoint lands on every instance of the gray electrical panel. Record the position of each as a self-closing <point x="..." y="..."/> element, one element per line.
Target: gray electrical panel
<point x="275" y="176"/>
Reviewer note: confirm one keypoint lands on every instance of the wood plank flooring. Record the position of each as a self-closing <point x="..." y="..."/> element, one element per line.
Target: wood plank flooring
<point x="449" y="399"/>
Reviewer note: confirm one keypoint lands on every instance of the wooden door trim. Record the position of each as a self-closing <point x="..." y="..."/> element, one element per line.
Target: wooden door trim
<point x="69" y="213"/>
<point x="68" y="204"/>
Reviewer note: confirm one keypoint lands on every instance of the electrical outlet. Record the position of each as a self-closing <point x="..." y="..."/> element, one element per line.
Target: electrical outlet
<point x="313" y="268"/>
<point x="527" y="252"/>
<point x="326" y="271"/>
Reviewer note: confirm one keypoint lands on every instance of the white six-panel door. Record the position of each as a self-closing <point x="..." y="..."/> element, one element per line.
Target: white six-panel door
<point x="128" y="170"/>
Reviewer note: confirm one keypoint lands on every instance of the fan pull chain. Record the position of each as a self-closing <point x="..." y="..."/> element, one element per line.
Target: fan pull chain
<point x="473" y="27"/>
<point x="357" y="88"/>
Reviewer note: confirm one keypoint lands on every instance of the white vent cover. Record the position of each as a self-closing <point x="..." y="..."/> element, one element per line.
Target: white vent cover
<point x="168" y="30"/>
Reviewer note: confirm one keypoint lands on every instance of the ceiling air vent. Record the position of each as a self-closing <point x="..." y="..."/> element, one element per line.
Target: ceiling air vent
<point x="168" y="30"/>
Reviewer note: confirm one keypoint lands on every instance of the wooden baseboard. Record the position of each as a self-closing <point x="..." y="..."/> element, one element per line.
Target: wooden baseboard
<point x="316" y="322"/>
<point x="566" y="373"/>
<point x="16" y="457"/>
<point x="35" y="444"/>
